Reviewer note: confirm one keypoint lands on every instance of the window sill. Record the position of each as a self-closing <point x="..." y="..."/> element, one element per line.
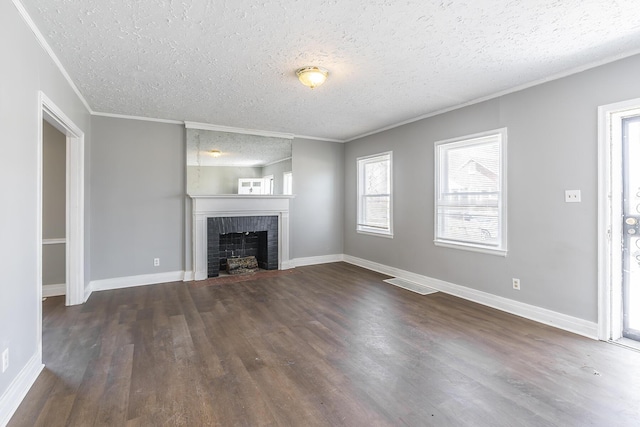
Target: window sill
<point x="472" y="248"/>
<point x="376" y="233"/>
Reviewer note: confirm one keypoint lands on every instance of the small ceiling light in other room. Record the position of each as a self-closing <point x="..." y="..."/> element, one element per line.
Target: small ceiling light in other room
<point x="312" y="76"/>
<point x="215" y="153"/>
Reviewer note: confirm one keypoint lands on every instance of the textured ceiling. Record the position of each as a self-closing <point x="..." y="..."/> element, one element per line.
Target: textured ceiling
<point x="232" y="62"/>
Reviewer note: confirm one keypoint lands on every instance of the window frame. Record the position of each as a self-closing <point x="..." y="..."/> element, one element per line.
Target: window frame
<point x="362" y="228"/>
<point x="471" y="140"/>
<point x="287" y="183"/>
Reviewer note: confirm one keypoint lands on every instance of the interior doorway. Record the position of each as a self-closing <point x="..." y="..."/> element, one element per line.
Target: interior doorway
<point x="74" y="201"/>
<point x="619" y="221"/>
<point x="54" y="211"/>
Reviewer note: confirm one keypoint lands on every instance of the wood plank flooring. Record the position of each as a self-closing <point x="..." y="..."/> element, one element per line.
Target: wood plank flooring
<point x="329" y="345"/>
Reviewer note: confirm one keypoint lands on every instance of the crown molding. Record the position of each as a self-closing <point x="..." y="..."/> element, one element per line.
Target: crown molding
<point x="219" y="128"/>
<point x="43" y="43"/>
<point x="317" y="138"/>
<point x="146" y="119"/>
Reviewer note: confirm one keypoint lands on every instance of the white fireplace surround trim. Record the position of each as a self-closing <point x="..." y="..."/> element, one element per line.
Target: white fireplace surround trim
<point x="211" y="206"/>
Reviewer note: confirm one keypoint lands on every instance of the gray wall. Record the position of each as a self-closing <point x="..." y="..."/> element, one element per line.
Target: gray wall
<point x="26" y="70"/>
<point x="218" y="179"/>
<point x="54" y="194"/>
<point x="317" y="214"/>
<point x="137" y="187"/>
<point x="278" y="170"/>
<point x="54" y="159"/>
<point x="552" y="147"/>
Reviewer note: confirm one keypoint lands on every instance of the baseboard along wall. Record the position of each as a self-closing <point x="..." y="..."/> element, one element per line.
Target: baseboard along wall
<point x="528" y="311"/>
<point x="54" y="290"/>
<point x="17" y="390"/>
<point x="542" y="315"/>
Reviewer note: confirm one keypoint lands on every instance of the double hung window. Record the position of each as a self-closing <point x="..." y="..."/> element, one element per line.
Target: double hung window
<point x="470" y="192"/>
<point x="374" y="194"/>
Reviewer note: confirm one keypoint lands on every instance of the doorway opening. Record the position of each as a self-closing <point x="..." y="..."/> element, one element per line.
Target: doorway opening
<point x="54" y="211"/>
<point x="74" y="201"/>
<point x="619" y="222"/>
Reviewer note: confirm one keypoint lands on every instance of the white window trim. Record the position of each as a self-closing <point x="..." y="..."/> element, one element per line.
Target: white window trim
<point x="284" y="183"/>
<point x="502" y="249"/>
<point x="363" y="229"/>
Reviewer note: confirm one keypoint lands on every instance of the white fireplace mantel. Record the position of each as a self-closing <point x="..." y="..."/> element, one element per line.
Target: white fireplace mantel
<point x="211" y="206"/>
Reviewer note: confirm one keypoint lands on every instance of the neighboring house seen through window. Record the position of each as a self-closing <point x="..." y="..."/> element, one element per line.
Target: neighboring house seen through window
<point x="375" y="194"/>
<point x="470" y="192"/>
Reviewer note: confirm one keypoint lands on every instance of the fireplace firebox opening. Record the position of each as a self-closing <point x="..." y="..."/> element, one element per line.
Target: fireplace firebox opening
<point x="240" y="245"/>
<point x="239" y="237"/>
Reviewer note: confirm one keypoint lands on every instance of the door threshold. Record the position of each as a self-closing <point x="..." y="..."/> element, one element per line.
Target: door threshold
<point x="628" y="343"/>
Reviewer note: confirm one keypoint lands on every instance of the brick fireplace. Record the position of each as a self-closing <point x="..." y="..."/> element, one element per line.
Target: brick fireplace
<point x="232" y="208"/>
<point x="242" y="236"/>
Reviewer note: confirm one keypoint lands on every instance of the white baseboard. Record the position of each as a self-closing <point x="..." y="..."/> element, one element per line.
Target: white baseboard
<point x="188" y="276"/>
<point x="314" y="260"/>
<point x="132" y="281"/>
<point x="531" y="312"/>
<point x="19" y="388"/>
<point x="54" y="290"/>
<point x="287" y="265"/>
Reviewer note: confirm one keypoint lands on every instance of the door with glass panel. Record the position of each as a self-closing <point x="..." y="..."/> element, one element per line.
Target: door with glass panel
<point x="631" y="227"/>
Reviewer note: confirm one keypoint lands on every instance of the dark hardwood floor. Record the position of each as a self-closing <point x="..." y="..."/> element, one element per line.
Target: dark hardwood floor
<point x="329" y="345"/>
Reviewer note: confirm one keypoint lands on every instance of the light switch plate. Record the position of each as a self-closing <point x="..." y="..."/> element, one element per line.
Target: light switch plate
<point x="572" y="196"/>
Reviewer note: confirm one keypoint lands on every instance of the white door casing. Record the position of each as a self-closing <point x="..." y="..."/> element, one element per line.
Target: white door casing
<point x="610" y="194"/>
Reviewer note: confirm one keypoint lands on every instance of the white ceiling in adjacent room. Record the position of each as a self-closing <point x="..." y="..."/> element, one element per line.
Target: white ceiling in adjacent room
<point x="233" y="62"/>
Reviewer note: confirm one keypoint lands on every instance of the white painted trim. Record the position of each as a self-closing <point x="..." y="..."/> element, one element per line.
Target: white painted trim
<point x="54" y="241"/>
<point x="43" y="43"/>
<point x="609" y="207"/>
<point x="315" y="260"/>
<point x="531" y="312"/>
<point x="54" y="290"/>
<point x="373" y="233"/>
<point x="19" y="387"/>
<point x="74" y="199"/>
<point x="317" y="138"/>
<point x="287" y="265"/>
<point x="547" y="79"/>
<point x="470" y="247"/>
<point x="203" y="207"/>
<point x="145" y="119"/>
<point x="133" y="281"/>
<point x="230" y="129"/>
<point x="188" y="276"/>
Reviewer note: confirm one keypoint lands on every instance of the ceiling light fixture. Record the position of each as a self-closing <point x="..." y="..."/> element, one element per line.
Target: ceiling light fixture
<point x="215" y="153"/>
<point x="312" y="76"/>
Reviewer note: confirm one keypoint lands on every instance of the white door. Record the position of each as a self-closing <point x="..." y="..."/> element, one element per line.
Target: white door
<point x="631" y="227"/>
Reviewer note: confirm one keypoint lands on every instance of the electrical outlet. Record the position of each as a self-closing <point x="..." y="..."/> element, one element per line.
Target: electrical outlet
<point x="156" y="262"/>
<point x="572" y="196"/>
<point x="5" y="359"/>
<point x="516" y="284"/>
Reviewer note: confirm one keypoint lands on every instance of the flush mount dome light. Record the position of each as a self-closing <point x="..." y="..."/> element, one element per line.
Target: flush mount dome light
<point x="215" y="153"/>
<point x="312" y="76"/>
